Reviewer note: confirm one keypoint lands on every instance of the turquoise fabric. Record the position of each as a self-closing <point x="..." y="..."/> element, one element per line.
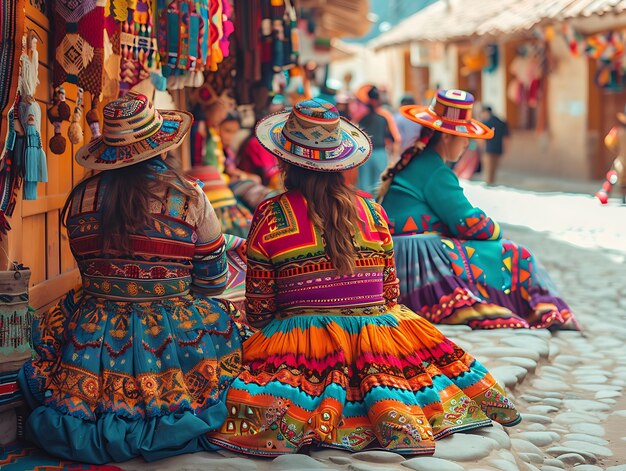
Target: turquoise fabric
<point x="453" y="265"/>
<point x="426" y="197"/>
<point x="138" y="365"/>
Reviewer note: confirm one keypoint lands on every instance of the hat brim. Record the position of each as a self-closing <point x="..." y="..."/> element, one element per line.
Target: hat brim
<point x="354" y="150"/>
<point x="98" y="155"/>
<point x="362" y="93"/>
<point x="424" y="116"/>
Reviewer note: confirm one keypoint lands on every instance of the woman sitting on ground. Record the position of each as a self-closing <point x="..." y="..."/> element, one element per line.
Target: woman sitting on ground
<point x="139" y="365"/>
<point x="454" y="267"/>
<point x="338" y="363"/>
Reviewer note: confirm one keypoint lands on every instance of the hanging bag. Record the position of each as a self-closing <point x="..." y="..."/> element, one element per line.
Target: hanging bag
<point x="15" y="332"/>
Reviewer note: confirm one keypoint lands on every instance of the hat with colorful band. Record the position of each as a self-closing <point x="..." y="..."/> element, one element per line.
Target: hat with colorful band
<point x="133" y="131"/>
<point x="449" y="112"/>
<point x="313" y="135"/>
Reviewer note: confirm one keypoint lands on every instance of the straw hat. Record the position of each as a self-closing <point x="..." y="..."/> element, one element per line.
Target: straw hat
<point x="450" y="112"/>
<point x="313" y="135"/>
<point x="133" y="131"/>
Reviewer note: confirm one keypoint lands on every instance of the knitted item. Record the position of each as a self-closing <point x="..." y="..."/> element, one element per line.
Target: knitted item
<point x="138" y="46"/>
<point x="57" y="113"/>
<point x="94" y="122"/>
<point x="79" y="45"/>
<point x="35" y="166"/>
<point x="11" y="29"/>
<point x="9" y="175"/>
<point x="33" y="163"/>
<point x="75" y="132"/>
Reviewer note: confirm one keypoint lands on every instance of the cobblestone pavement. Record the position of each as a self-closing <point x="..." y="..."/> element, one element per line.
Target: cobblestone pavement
<point x="568" y="385"/>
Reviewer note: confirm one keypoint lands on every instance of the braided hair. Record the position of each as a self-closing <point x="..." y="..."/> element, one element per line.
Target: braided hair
<point x="428" y="137"/>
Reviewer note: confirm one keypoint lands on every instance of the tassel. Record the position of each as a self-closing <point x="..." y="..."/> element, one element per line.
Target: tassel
<point x="33" y="163"/>
<point x="57" y="113"/>
<point x="36" y="168"/>
<point x="93" y="120"/>
<point x="9" y="144"/>
<point x="159" y="82"/>
<point x="75" y="132"/>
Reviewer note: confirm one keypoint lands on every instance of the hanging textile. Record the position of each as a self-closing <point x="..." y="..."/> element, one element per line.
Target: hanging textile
<point x="138" y="47"/>
<point x="15" y="327"/>
<point x="266" y="43"/>
<point x="79" y="43"/>
<point x="11" y="30"/>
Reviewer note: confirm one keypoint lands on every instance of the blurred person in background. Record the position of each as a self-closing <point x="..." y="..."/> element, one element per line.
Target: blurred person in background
<point x="409" y="130"/>
<point x="376" y="127"/>
<point x="343" y="104"/>
<point x="496" y="147"/>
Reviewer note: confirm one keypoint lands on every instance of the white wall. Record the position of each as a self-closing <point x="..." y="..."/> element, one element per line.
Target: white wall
<point x="443" y="68"/>
<point x="385" y="67"/>
<point x="562" y="150"/>
<point x="567" y="111"/>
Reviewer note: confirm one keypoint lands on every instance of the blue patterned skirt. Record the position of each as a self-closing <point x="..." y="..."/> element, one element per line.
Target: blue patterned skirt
<point x="114" y="380"/>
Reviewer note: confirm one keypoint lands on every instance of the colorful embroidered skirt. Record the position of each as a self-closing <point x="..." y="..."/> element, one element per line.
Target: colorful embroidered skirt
<point x="482" y="283"/>
<point x="355" y="382"/>
<point x="235" y="290"/>
<point x="115" y="380"/>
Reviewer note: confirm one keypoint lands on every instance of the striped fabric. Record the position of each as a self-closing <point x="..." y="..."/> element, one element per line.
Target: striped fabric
<point x="338" y="363"/>
<point x="10" y="393"/>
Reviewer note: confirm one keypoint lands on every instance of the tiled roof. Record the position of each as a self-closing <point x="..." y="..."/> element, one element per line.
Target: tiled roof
<point x="457" y="19"/>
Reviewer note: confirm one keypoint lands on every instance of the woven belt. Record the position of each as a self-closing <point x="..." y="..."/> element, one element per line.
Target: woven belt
<point x="134" y="289"/>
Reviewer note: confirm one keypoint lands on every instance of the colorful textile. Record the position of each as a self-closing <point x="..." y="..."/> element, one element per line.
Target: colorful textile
<point x="138" y="45"/>
<point x="79" y="44"/>
<point x="449" y="112"/>
<point x="15" y="326"/>
<point x="11" y="31"/>
<point x="140" y="363"/>
<point x="18" y="457"/>
<point x="338" y="363"/>
<point x="15" y="316"/>
<point x="312" y="135"/>
<point x="133" y="131"/>
<point x="235" y="290"/>
<point x="10" y="394"/>
<point x="453" y="265"/>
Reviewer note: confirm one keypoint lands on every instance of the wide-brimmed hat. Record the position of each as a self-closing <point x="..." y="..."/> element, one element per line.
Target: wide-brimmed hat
<point x="133" y="131"/>
<point x="362" y="94"/>
<point x="313" y="135"/>
<point x="450" y="112"/>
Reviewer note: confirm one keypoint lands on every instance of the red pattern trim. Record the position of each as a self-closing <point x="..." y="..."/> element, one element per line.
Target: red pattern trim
<point x="210" y="247"/>
<point x="93" y="243"/>
<point x="81" y="346"/>
<point x="158" y="352"/>
<point x="113" y="353"/>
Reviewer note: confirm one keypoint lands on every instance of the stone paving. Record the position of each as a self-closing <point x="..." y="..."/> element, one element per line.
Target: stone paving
<point x="568" y="386"/>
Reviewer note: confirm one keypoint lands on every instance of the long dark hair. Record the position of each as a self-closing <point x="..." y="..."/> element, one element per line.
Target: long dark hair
<point x="331" y="209"/>
<point x="428" y="137"/>
<point x="126" y="206"/>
